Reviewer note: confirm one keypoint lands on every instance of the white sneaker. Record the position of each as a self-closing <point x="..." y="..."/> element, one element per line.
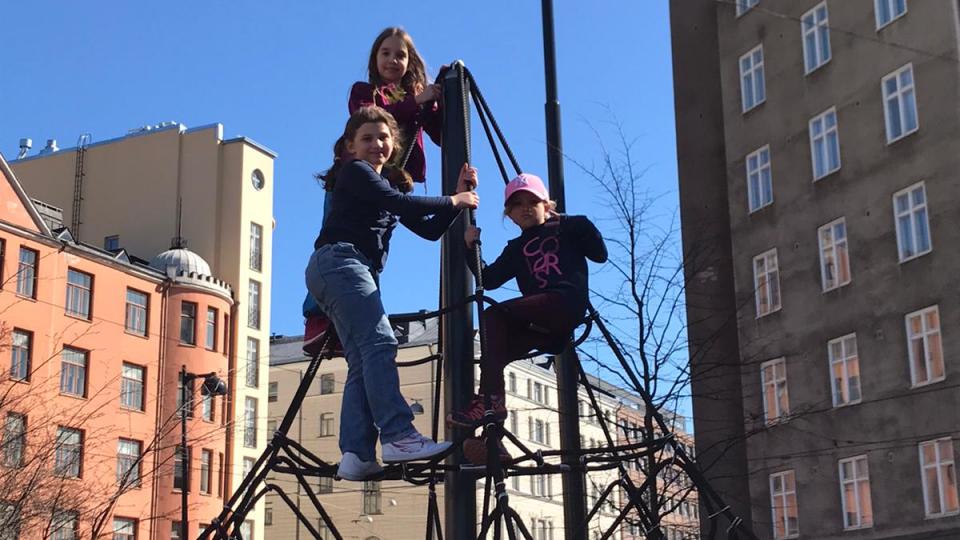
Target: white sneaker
<point x="413" y="447"/>
<point x="353" y="468"/>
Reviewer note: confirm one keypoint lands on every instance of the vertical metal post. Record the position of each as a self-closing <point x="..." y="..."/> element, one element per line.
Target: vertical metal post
<point x="184" y="523"/>
<point x="574" y="481"/>
<point x="460" y="493"/>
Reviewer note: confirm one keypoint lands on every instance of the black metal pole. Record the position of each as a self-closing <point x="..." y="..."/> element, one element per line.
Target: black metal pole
<point x="574" y="481"/>
<point x="460" y="493"/>
<point x="184" y="524"/>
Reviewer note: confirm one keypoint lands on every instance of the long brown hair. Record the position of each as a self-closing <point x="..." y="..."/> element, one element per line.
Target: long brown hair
<point x="398" y="178"/>
<point x="415" y="79"/>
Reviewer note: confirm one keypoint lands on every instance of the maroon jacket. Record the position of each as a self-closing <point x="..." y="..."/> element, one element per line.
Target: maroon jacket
<point x="404" y="108"/>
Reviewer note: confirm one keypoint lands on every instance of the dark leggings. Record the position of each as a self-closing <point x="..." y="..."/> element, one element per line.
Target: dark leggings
<point x="510" y="337"/>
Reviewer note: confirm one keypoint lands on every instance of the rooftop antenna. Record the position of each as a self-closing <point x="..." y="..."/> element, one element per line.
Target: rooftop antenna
<point x="179" y="242"/>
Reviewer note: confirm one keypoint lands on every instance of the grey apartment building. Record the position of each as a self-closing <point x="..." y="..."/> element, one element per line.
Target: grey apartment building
<point x="819" y="163"/>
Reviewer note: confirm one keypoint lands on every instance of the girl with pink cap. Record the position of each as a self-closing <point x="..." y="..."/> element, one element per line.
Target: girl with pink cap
<point x="549" y="262"/>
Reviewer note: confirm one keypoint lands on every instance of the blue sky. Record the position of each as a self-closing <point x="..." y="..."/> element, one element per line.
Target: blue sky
<point x="279" y="72"/>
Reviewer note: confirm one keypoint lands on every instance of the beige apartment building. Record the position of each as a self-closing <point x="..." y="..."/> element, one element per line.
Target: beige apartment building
<point x="819" y="149"/>
<point x="139" y="191"/>
<point x="396" y="510"/>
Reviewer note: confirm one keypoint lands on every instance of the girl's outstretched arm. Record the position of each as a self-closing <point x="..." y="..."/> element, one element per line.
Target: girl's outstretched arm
<point x="360" y="180"/>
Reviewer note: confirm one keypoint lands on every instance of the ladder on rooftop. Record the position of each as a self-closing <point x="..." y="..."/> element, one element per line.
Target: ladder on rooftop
<point x="79" y="173"/>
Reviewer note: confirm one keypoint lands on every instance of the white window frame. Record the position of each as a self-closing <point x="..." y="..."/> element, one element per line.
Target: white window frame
<point x="812" y="23"/>
<point x="744" y="6"/>
<point x="252" y="363"/>
<point x="834" y="249"/>
<point x="945" y="468"/>
<point x="250" y="422"/>
<point x="912" y="211"/>
<point x="827" y="135"/>
<point x="926" y="334"/>
<point x="849" y="357"/>
<point x="782" y="498"/>
<point x="256" y="247"/>
<point x="759" y="172"/>
<point x="763" y="283"/>
<point x="863" y="512"/>
<point x="752" y="78"/>
<point x="780" y="388"/>
<point x="905" y="96"/>
<point x="79" y="298"/>
<point x="891" y="4"/>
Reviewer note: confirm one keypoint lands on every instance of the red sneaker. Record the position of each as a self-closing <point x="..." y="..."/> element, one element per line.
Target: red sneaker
<point x="314" y="329"/>
<point x="475" y="412"/>
<point x="475" y="451"/>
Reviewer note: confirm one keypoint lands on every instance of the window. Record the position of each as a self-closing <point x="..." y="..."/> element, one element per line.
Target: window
<point x="131" y="387"/>
<point x="834" y="256"/>
<point x="538" y="485"/>
<point x="246" y="530"/>
<point x="272" y="391"/>
<point x="248" y="464"/>
<point x="253" y="305"/>
<point x="744" y="6"/>
<point x="256" y="247"/>
<point x="14" y="440"/>
<point x="9" y="521"/>
<point x="207" y="409"/>
<point x="181" y="465"/>
<point x="327" y="383"/>
<point x="136" y="316"/>
<point x="267" y="515"/>
<point x="210" y="336"/>
<point x="844" y="370"/>
<point x="326" y="424"/>
<point x="27" y="273"/>
<point x="65" y="526"/>
<point x="371" y="497"/>
<point x="913" y="229"/>
<point x="924" y="346"/>
<point x="69" y="452"/>
<point x="816" y="37"/>
<point x="326" y="485"/>
<point x="73" y="372"/>
<point x="257" y="179"/>
<point x="128" y="463"/>
<point x="512" y="382"/>
<point x="186" y="407"/>
<point x="889" y="10"/>
<point x="759" y="179"/>
<point x="783" y="501"/>
<point x="855" y="493"/>
<point x="776" y="402"/>
<point x="226" y="334"/>
<point x="252" y="369"/>
<point x="79" y="293"/>
<point x="206" y="457"/>
<point x="124" y="529"/>
<point x="825" y="144"/>
<point x="21" y="345"/>
<point x="188" y="323"/>
<point x="538" y="431"/>
<point x="939" y="475"/>
<point x="514" y="427"/>
<point x="250" y="422"/>
<point x="752" y="87"/>
<point x="538" y="392"/>
<point x="220" y="473"/>
<point x="766" y="280"/>
<point x="900" y="103"/>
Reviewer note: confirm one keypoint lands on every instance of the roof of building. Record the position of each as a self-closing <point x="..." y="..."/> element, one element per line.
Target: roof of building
<point x="182" y="261"/>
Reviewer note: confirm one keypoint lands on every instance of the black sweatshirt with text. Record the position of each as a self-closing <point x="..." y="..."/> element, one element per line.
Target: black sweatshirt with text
<point x="549" y="258"/>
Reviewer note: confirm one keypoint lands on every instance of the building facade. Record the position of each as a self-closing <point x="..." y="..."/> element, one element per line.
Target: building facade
<point x="138" y="191"/>
<point x="397" y="510"/>
<point x="93" y="342"/>
<point x="818" y="150"/>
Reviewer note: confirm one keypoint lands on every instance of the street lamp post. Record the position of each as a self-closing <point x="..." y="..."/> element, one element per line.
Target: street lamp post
<point x="212" y="386"/>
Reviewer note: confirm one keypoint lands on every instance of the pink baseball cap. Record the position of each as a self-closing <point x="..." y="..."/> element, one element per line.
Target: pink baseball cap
<point x="526" y="182"/>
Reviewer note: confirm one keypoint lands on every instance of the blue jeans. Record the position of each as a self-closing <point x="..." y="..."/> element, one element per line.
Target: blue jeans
<point x="340" y="279"/>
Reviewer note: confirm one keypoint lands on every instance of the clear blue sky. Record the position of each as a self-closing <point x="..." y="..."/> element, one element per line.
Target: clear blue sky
<point x="279" y="72"/>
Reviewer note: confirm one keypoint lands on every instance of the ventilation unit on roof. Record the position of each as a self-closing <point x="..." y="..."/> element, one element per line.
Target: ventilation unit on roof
<point x="50" y="148"/>
<point x="25" y="145"/>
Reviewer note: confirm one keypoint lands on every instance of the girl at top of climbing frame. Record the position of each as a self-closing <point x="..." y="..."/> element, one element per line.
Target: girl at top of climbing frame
<point x="397" y="82"/>
<point x="342" y="276"/>
<point x="549" y="262"/>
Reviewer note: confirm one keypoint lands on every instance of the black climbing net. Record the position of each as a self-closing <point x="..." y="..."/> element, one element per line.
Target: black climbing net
<point x="286" y="457"/>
